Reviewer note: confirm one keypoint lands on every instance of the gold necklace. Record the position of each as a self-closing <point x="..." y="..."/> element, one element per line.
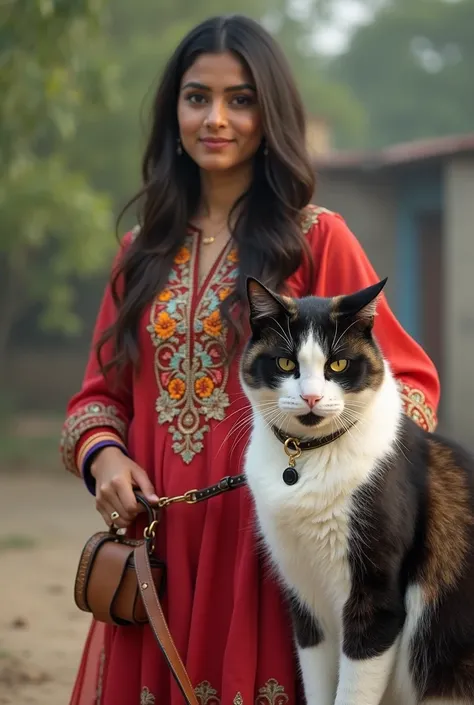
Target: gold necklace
<point x="212" y="238"/>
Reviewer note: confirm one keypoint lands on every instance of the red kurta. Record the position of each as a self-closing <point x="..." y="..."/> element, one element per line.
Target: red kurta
<point x="183" y="419"/>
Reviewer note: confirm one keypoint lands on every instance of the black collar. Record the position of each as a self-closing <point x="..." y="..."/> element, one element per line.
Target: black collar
<point x="313" y="442"/>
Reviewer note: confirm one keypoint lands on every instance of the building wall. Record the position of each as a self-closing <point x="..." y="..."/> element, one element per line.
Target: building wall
<point x="367" y="202"/>
<point x="458" y="383"/>
<point x="418" y="189"/>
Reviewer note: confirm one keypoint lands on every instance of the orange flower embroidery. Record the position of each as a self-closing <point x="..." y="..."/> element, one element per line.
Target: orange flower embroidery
<point x="182" y="256"/>
<point x="165" y="295"/>
<point x="176" y="389"/>
<point x="164" y="326"/>
<point x="213" y="324"/>
<point x="204" y="387"/>
<point x="224" y="293"/>
<point x="233" y="256"/>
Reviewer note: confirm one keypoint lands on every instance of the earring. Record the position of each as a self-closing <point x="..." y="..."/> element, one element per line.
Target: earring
<point x="265" y="150"/>
<point x="179" y="149"/>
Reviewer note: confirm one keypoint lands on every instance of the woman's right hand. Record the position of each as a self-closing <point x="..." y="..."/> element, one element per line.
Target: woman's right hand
<point x="116" y="475"/>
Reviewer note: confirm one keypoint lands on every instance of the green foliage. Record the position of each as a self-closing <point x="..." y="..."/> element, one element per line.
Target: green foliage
<point x="76" y="80"/>
<point x="412" y="69"/>
<point x="54" y="225"/>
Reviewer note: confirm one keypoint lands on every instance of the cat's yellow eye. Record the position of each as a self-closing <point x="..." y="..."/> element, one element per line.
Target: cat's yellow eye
<point x="285" y="364"/>
<point x="339" y="365"/>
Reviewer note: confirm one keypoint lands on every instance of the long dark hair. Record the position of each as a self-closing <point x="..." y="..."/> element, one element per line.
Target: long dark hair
<point x="270" y="243"/>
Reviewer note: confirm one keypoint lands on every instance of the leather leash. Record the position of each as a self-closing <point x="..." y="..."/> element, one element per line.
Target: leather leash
<point x="148" y="591"/>
<point x="158" y="624"/>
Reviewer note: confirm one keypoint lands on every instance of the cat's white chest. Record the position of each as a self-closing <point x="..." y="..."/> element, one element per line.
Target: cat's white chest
<point x="306" y="529"/>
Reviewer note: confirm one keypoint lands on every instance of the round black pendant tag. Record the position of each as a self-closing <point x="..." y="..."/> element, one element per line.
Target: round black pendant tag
<point x="290" y="476"/>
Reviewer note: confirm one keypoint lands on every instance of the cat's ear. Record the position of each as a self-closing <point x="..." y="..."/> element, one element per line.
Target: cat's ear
<point x="263" y="302"/>
<point x="362" y="305"/>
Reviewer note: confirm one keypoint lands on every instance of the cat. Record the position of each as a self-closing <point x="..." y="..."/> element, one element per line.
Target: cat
<point x="368" y="519"/>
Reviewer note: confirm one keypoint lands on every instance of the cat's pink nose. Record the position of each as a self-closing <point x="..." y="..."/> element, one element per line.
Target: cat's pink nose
<point x="311" y="399"/>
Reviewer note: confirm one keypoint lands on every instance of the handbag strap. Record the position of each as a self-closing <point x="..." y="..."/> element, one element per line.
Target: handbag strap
<point x="158" y="623"/>
<point x="148" y="591"/>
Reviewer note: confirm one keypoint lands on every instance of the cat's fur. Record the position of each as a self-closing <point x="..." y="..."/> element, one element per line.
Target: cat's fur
<point x="375" y="542"/>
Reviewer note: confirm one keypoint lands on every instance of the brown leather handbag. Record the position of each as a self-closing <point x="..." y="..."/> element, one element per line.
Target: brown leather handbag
<point x="120" y="580"/>
<point x="106" y="580"/>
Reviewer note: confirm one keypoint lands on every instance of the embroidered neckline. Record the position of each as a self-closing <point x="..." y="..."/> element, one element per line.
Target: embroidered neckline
<point x="189" y="336"/>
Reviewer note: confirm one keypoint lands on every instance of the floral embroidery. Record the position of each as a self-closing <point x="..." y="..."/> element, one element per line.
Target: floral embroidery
<point x="417" y="408"/>
<point x="213" y="324"/>
<point x="272" y="693"/>
<point x="183" y="256"/>
<point x="165" y="326"/>
<point x="134" y="232"/>
<point x="204" y="386"/>
<point x="165" y="295"/>
<point x="224" y="293"/>
<point x="93" y="415"/>
<point x="190" y="350"/>
<point x="310" y="216"/>
<point x="176" y="389"/>
<point x="206" y="694"/>
<point x="233" y="256"/>
<point x="146" y="698"/>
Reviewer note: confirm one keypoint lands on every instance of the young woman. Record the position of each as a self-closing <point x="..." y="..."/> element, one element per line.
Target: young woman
<point x="227" y="185"/>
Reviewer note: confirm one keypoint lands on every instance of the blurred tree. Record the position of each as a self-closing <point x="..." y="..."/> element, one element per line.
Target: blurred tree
<point x="54" y="226"/>
<point x="141" y="37"/>
<point x="411" y="67"/>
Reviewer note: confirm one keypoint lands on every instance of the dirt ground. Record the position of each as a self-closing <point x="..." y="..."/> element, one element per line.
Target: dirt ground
<point x="45" y="520"/>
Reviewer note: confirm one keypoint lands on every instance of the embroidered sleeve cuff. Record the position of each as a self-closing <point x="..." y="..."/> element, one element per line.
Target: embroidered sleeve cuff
<point x="417" y="408"/>
<point x="89" y="448"/>
<point x="87" y="422"/>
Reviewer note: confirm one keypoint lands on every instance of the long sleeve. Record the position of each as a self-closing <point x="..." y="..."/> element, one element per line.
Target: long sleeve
<point x="100" y="412"/>
<point x="342" y="267"/>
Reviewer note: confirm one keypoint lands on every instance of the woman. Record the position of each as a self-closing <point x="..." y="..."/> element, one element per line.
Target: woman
<point x="226" y="188"/>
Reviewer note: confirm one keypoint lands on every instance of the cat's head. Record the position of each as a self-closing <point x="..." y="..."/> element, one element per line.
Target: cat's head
<point x="312" y="364"/>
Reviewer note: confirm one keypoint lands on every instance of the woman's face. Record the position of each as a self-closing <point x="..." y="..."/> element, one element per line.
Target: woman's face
<point x="218" y="113"/>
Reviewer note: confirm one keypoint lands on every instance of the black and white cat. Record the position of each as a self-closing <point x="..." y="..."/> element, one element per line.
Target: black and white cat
<point x="371" y="523"/>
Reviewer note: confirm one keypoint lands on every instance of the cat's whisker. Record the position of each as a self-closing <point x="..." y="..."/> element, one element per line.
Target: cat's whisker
<point x="246" y="408"/>
<point x="355" y="402"/>
<point x="240" y="436"/>
<point x="335" y="334"/>
<point x="271" y="418"/>
<point x="336" y="349"/>
<point x="352" y="414"/>
<point x="346" y="424"/>
<point x="288" y="339"/>
<point x="351" y="422"/>
<point x="243" y="423"/>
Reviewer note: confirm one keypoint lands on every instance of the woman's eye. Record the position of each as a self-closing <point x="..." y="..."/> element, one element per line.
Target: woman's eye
<point x="242" y="100"/>
<point x="339" y="365"/>
<point x="285" y="364"/>
<point x="196" y="98"/>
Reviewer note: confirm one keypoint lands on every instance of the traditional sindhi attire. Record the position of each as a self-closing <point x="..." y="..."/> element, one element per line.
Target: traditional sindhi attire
<point x="181" y="419"/>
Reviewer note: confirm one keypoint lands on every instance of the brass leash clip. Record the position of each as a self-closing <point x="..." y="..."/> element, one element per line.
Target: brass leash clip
<point x="290" y="475"/>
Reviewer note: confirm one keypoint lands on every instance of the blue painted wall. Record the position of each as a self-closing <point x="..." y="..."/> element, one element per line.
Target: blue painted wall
<point x="418" y="189"/>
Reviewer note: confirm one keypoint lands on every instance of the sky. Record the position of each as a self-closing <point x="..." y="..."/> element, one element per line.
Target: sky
<point x="347" y="15"/>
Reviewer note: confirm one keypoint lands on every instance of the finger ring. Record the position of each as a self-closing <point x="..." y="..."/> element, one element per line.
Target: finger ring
<point x="114" y="516"/>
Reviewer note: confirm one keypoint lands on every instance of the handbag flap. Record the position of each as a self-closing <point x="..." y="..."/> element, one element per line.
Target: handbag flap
<point x="100" y="570"/>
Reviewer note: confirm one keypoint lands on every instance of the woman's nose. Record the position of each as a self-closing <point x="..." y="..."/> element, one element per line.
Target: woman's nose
<point x="216" y="117"/>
